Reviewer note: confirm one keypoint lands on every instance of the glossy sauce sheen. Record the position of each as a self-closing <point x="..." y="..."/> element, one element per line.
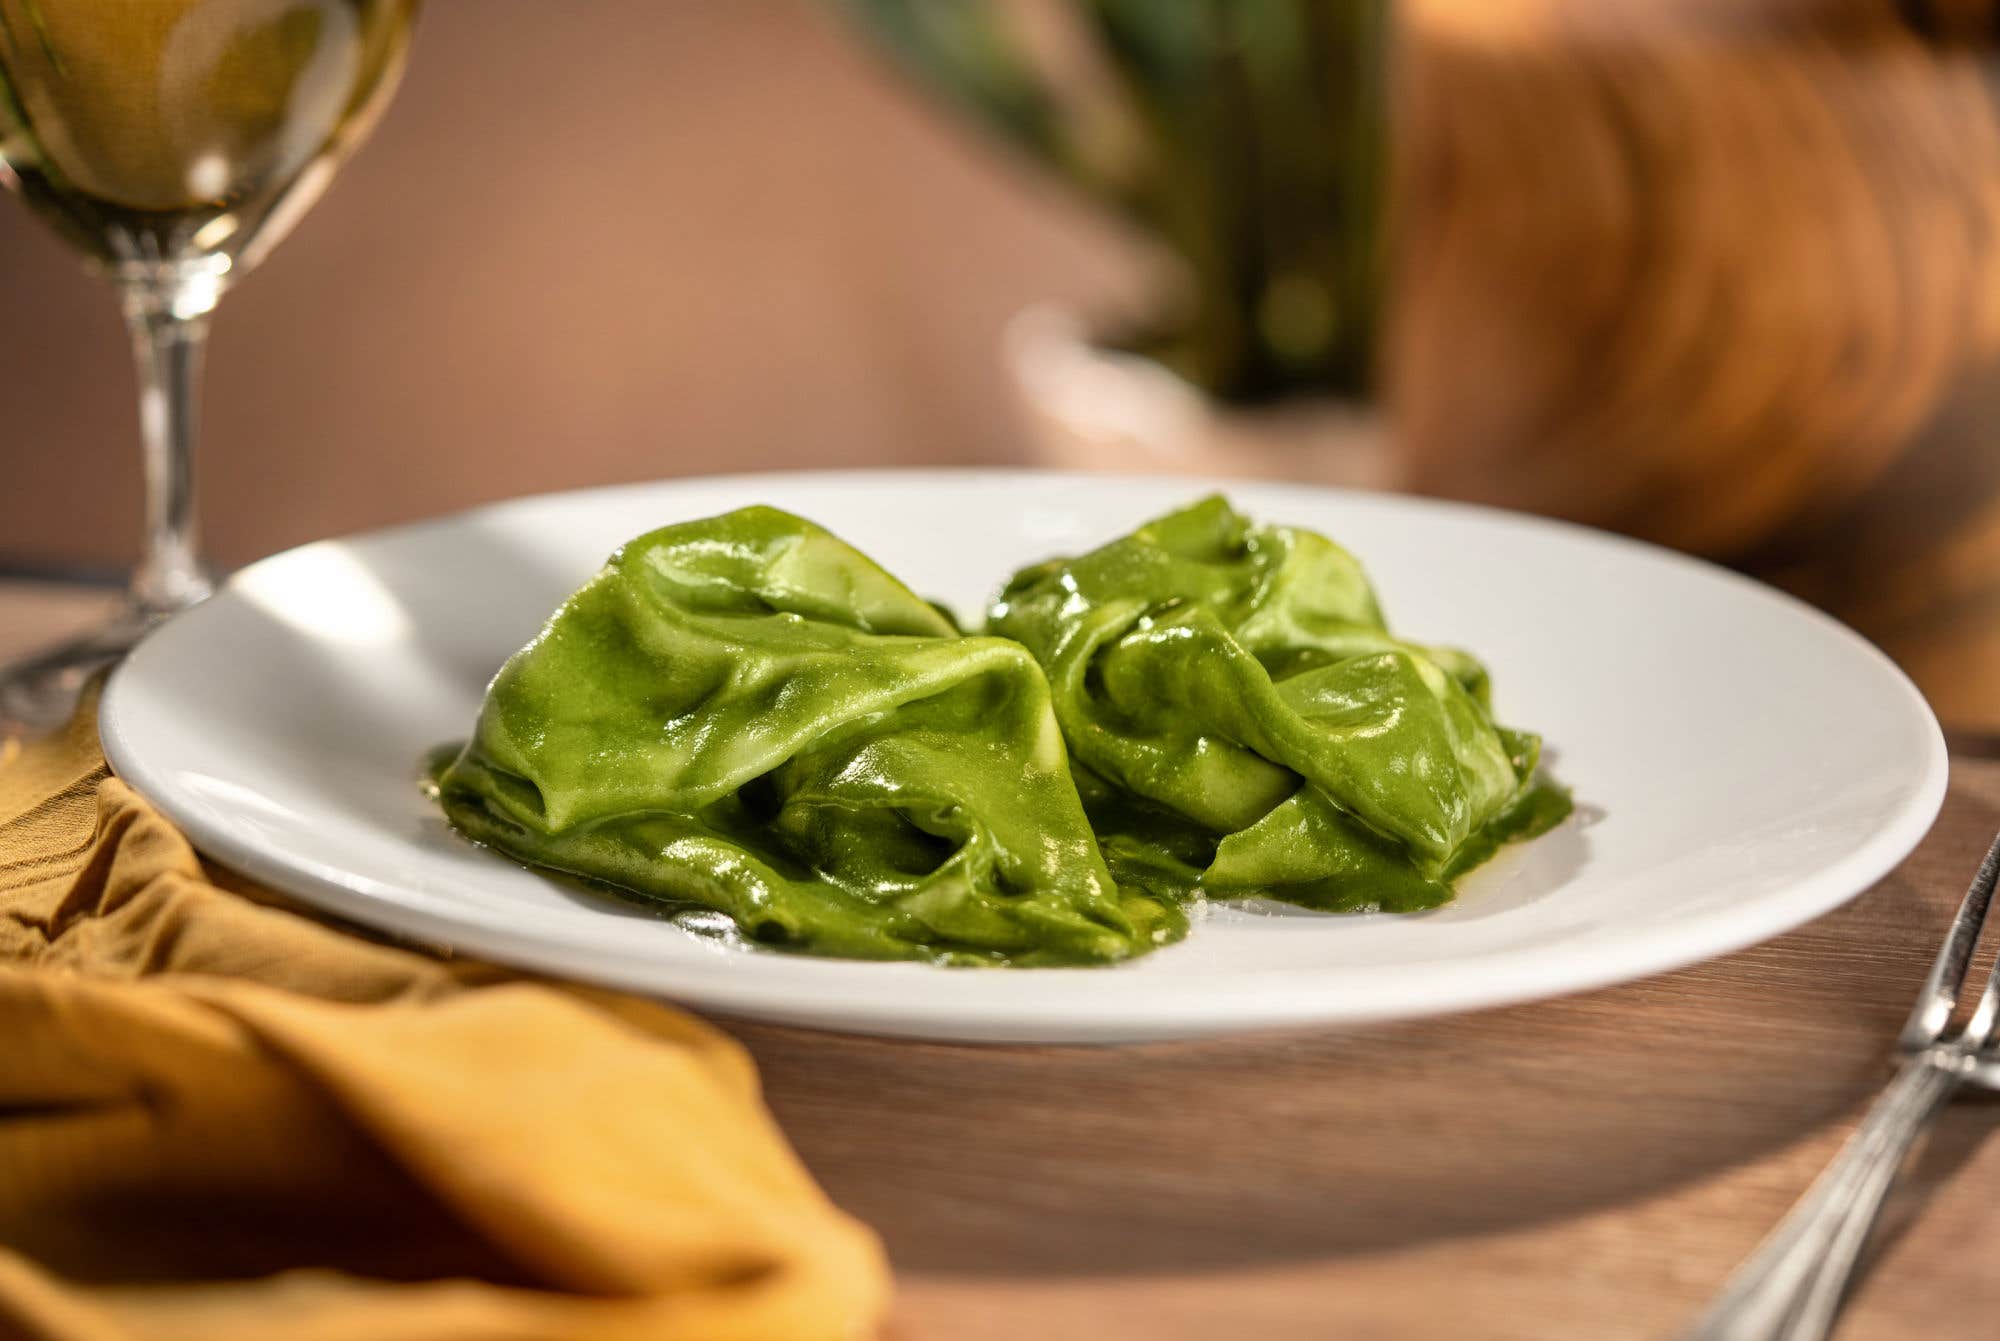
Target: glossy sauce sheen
<point x="746" y="715"/>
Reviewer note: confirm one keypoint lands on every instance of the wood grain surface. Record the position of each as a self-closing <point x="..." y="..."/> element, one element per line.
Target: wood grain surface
<point x="1586" y="1168"/>
<point x="1728" y="259"/>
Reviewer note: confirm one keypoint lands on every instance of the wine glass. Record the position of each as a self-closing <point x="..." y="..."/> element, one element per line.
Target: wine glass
<point x="174" y="143"/>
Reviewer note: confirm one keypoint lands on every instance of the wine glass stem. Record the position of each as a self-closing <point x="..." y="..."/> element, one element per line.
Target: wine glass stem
<point x="167" y="343"/>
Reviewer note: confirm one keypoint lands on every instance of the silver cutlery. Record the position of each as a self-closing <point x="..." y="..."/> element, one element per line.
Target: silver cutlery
<point x="1792" y="1286"/>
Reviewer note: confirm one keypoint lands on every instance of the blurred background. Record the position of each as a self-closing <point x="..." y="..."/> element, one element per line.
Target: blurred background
<point x="1720" y="273"/>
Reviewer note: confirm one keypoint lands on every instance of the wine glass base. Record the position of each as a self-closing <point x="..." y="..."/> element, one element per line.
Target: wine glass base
<point x="39" y="692"/>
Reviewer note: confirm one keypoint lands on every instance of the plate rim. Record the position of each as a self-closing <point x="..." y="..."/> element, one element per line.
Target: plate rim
<point x="1282" y="996"/>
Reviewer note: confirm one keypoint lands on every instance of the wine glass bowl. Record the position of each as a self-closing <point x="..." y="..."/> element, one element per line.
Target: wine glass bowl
<point x="173" y="143"/>
<point x="187" y="135"/>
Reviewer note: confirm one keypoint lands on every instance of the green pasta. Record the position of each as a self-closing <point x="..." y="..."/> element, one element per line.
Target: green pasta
<point x="1241" y="721"/>
<point x="746" y="715"/>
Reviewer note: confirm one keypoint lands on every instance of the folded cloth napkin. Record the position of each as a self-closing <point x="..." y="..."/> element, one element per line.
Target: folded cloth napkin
<point x="222" y="1120"/>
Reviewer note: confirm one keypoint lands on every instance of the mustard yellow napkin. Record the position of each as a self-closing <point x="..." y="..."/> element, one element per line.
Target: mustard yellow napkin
<point x="224" y="1121"/>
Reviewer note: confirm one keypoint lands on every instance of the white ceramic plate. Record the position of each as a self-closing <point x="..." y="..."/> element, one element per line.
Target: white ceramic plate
<point x="1741" y="763"/>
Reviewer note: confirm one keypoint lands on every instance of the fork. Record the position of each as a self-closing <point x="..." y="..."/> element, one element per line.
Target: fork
<point x="1792" y="1286"/>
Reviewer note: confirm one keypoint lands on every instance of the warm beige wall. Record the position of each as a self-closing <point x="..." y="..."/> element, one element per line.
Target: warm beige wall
<point x="648" y="237"/>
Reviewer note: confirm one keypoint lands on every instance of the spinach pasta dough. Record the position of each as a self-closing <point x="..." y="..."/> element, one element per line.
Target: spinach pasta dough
<point x="745" y="714"/>
<point x="1242" y="722"/>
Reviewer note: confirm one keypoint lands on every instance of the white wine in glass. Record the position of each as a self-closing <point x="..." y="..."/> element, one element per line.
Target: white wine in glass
<point x="174" y="143"/>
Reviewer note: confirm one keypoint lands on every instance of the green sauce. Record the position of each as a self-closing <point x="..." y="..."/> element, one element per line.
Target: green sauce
<point x="746" y="715"/>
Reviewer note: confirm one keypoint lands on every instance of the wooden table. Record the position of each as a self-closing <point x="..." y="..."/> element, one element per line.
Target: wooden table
<point x="1586" y="1168"/>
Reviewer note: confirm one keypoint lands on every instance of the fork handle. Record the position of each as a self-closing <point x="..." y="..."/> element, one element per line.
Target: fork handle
<point x="1791" y="1288"/>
